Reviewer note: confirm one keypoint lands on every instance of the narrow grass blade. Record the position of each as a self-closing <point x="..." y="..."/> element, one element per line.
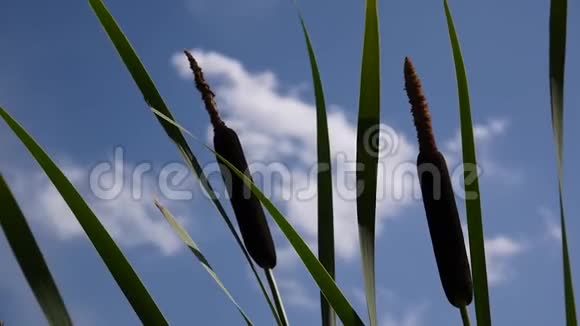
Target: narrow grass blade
<point x="120" y="269"/>
<point x="558" y="21"/>
<point x="30" y="259"/>
<point x="367" y="150"/>
<point x="199" y="255"/>
<point x="472" y="194"/>
<point x="325" y="205"/>
<point x="327" y="285"/>
<point x="154" y="99"/>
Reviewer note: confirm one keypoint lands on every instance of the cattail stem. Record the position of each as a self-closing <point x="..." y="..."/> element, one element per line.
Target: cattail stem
<point x="206" y="93"/>
<point x="277" y="297"/>
<point x="465" y="316"/>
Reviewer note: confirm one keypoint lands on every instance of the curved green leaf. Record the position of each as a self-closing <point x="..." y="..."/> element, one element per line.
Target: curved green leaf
<point x="327" y="285"/>
<point x="367" y="150"/>
<point x="30" y="259"/>
<point x="154" y="99"/>
<point x="186" y="238"/>
<point x="558" y="18"/>
<point x="473" y="197"/>
<point x="120" y="269"/>
<point x="324" y="195"/>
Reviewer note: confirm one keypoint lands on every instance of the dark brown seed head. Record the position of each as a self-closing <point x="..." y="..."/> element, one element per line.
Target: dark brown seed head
<point x="247" y="208"/>
<point x="439" y="200"/>
<point x="445" y="228"/>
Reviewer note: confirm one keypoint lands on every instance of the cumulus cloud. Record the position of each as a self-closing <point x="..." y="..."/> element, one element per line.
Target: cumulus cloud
<point x="278" y="131"/>
<point x="483" y="133"/>
<point x="500" y="251"/>
<point x="410" y="317"/>
<point x="553" y="230"/>
<point x="485" y="136"/>
<point x="398" y="312"/>
<point x="130" y="217"/>
<point x="296" y="294"/>
<point x="286" y="254"/>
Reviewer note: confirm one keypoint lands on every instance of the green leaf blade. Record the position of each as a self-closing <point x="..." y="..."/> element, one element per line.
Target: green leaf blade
<point x="30" y="259"/>
<point x="153" y="99"/>
<point x="472" y="198"/>
<point x="325" y="202"/>
<point x="327" y="285"/>
<point x="120" y="269"/>
<point x="194" y="248"/>
<point x="367" y="151"/>
<point x="558" y="21"/>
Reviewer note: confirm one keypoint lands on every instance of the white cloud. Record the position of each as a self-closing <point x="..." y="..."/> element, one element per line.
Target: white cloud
<point x="483" y="133"/>
<point x="296" y="294"/>
<point x="553" y="230"/>
<point x="278" y="127"/>
<point x="286" y="254"/>
<point x="132" y="221"/>
<point x="486" y="134"/>
<point x="500" y="250"/>
<point x="397" y="313"/>
<point x="410" y="317"/>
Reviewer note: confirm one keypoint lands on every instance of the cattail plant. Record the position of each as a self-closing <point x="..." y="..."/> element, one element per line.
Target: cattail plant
<point x="247" y="208"/>
<point x="439" y="200"/>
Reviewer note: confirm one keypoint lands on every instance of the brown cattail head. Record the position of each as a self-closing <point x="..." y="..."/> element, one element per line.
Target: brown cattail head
<point x="445" y="228"/>
<point x="206" y="94"/>
<point x="439" y="200"/>
<point x="419" y="108"/>
<point x="247" y="208"/>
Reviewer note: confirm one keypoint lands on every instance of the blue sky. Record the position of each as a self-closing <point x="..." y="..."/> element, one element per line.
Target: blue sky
<point x="62" y="79"/>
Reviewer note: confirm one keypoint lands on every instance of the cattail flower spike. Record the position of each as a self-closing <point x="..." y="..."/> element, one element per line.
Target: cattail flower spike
<point x="439" y="201"/>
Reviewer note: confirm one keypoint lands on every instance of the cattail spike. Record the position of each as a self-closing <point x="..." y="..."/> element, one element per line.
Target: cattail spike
<point x="445" y="228"/>
<point x="206" y="93"/>
<point x="419" y="108"/>
<point x="247" y="208"/>
<point x="439" y="200"/>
